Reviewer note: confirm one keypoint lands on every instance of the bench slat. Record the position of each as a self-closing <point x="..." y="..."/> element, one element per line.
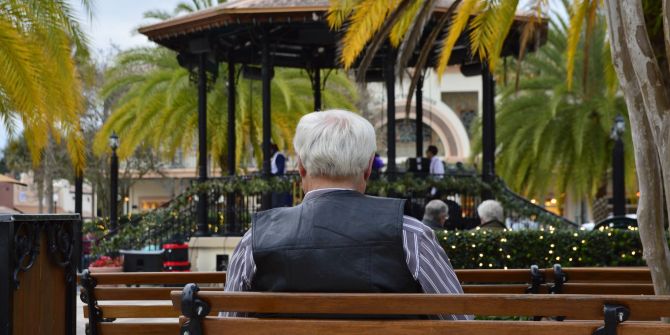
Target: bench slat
<point x="587" y="307"/>
<point x="605" y="275"/>
<point x="133" y="278"/>
<point x="608" y="288"/>
<point x="505" y="288"/>
<point x="136" y="311"/>
<point x="157" y="328"/>
<point x="494" y="275"/>
<point x="252" y="326"/>
<point x="140" y="293"/>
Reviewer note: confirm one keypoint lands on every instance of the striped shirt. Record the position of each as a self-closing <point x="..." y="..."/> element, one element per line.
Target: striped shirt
<point x="424" y="256"/>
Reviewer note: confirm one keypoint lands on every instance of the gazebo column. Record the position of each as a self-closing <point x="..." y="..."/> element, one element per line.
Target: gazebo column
<point x="202" y="226"/>
<point x="231" y="222"/>
<point x="266" y="73"/>
<point x="419" y="117"/>
<point x="231" y="118"/>
<point x="389" y="76"/>
<point x="316" y="87"/>
<point x="488" y="128"/>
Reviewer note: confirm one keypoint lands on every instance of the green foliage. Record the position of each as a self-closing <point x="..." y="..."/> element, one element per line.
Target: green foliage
<point x="520" y="249"/>
<point x="40" y="84"/>
<point x="556" y="139"/>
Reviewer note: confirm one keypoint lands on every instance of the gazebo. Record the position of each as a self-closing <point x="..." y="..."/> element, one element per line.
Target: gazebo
<point x="294" y="33"/>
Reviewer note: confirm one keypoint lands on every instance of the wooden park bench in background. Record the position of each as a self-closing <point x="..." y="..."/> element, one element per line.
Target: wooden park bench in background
<point x="137" y="300"/>
<point x="587" y="314"/>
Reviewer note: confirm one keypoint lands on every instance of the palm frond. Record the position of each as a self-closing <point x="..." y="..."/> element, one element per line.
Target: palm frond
<point x="579" y="10"/>
<point x="460" y="20"/>
<point x="368" y="17"/>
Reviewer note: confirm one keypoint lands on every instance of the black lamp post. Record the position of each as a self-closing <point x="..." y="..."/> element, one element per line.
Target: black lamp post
<point x="114" y="181"/>
<point x="618" y="178"/>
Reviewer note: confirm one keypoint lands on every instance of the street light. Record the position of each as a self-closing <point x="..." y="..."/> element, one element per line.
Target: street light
<point x="618" y="178"/>
<point x="114" y="181"/>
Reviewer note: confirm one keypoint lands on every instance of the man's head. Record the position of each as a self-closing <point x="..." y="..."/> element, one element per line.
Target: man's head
<point x="431" y="151"/>
<point x="490" y="210"/>
<point x="436" y="211"/>
<point x="335" y="148"/>
<point x="273" y="148"/>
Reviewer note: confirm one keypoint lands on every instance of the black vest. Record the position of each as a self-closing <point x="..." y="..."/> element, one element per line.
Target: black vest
<point x="338" y="241"/>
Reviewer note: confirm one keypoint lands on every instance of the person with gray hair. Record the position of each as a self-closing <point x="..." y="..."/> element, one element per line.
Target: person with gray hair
<point x="436" y="214"/>
<point x="491" y="215"/>
<point x="339" y="239"/>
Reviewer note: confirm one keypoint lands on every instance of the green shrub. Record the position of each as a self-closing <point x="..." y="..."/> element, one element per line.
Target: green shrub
<point x="507" y="249"/>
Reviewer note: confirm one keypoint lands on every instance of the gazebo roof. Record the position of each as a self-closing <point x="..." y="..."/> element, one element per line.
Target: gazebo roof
<point x="297" y="30"/>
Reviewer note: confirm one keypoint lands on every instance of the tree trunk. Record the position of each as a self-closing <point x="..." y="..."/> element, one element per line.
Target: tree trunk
<point x="639" y="76"/>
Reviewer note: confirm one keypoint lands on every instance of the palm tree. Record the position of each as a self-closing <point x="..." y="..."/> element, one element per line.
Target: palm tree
<point x="155" y="104"/>
<point x="555" y="139"/>
<point x="40" y="87"/>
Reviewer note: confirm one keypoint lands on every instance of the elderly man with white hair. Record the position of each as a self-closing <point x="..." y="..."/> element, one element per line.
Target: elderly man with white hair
<point x="435" y="214"/>
<point x="338" y="239"/>
<point x="491" y="215"/>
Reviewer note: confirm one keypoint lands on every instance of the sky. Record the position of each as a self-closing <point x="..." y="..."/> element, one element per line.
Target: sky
<point x="114" y="23"/>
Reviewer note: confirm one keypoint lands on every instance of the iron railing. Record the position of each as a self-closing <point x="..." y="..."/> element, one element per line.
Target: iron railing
<point x="229" y="212"/>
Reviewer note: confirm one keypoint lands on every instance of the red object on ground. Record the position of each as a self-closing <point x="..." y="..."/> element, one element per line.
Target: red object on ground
<point x="175" y="246"/>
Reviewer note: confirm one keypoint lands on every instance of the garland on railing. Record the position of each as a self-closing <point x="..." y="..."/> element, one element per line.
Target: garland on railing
<point x="406" y="185"/>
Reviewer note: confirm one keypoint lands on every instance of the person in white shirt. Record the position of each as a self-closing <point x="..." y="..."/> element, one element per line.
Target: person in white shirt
<point x="436" y="165"/>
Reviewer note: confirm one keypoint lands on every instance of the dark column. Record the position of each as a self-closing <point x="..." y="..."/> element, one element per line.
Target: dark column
<point x="419" y="117"/>
<point x="316" y="88"/>
<point x="389" y="75"/>
<point x="618" y="179"/>
<point x="231" y="118"/>
<point x="231" y="221"/>
<point x="78" y="208"/>
<point x="202" y="227"/>
<point x="266" y="73"/>
<point x="488" y="127"/>
<point x="114" y="191"/>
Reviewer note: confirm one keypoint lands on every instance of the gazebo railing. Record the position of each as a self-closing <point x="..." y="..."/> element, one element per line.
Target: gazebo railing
<point x="233" y="200"/>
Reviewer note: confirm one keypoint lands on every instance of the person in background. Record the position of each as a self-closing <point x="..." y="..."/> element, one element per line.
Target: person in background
<point x="339" y="239"/>
<point x="491" y="215"/>
<point x="277" y="161"/>
<point x="436" y="214"/>
<point x="277" y="169"/>
<point x="377" y="165"/>
<point x="436" y="165"/>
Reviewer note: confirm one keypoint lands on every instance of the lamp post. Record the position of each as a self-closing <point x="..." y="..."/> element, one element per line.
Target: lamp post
<point x="114" y="182"/>
<point x="618" y="178"/>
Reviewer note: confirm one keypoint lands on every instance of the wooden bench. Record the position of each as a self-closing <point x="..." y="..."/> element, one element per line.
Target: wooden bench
<point x="587" y="314"/>
<point x="620" y="281"/>
<point x="112" y="296"/>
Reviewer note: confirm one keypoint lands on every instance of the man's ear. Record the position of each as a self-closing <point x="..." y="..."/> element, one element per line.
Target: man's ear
<point x="368" y="171"/>
<point x="301" y="169"/>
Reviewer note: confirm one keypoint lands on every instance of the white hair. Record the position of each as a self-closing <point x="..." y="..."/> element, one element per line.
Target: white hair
<point x="334" y="143"/>
<point x="434" y="209"/>
<point x="490" y="210"/>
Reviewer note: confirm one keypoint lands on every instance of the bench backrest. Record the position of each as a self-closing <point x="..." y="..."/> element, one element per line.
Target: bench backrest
<point x="586" y="313"/>
<point x="614" y="280"/>
<point x="137" y="295"/>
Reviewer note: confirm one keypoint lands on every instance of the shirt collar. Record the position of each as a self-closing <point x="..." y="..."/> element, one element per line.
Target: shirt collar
<point x="320" y="191"/>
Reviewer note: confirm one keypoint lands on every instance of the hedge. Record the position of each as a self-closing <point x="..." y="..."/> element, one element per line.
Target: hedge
<point x="520" y="249"/>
